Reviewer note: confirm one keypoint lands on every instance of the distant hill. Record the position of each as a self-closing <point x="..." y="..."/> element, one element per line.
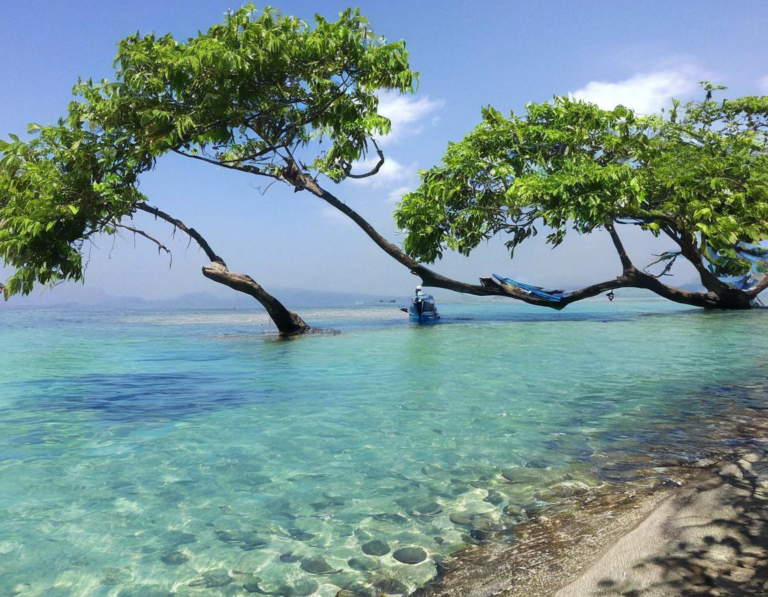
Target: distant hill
<point x="78" y="297"/>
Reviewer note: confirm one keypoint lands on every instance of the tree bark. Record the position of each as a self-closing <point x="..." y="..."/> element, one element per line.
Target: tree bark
<point x="288" y="323"/>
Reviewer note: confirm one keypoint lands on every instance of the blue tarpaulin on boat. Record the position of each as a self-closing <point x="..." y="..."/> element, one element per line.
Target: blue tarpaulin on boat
<point x="545" y="293"/>
<point x="757" y="255"/>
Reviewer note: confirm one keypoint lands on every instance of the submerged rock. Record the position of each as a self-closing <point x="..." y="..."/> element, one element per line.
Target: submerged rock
<point x="514" y="511"/>
<point x="142" y="591"/>
<point x="289" y="558"/>
<point x="300" y="535"/>
<point x="362" y="535"/>
<point x="116" y="576"/>
<point x="528" y="476"/>
<point x="301" y="588"/>
<point x="460" y="518"/>
<point x="410" y="555"/>
<point x="213" y="579"/>
<point x="395" y="518"/>
<point x="317" y="565"/>
<point x="251" y="584"/>
<point x="251" y="541"/>
<point x="364" y="564"/>
<point x="430" y="509"/>
<point x="481" y="535"/>
<point x="228" y="536"/>
<point x="537" y="463"/>
<point x="391" y="586"/>
<point x="174" y="558"/>
<point x="494" y="498"/>
<point x="176" y="538"/>
<point x="483" y="522"/>
<point x="562" y="490"/>
<point x="375" y="548"/>
<point x="358" y="589"/>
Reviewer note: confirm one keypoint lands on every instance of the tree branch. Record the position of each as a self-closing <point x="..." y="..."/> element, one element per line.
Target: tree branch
<point x="240" y="168"/>
<point x="630" y="278"/>
<point x="690" y="250"/>
<point x="183" y="227"/>
<point x="626" y="263"/>
<point x="160" y="246"/>
<point x="287" y="322"/>
<point x="375" y="169"/>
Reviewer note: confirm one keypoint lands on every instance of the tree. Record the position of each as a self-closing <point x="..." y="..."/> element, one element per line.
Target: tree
<point x="270" y="96"/>
<point x="696" y="174"/>
<point x="259" y="93"/>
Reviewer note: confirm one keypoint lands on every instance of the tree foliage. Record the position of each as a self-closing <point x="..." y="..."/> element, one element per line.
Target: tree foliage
<point x="57" y="191"/>
<point x="256" y="90"/>
<point x="260" y="93"/>
<point x="697" y="172"/>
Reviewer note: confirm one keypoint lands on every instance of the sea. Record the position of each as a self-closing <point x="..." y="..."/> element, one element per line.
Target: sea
<point x="193" y="452"/>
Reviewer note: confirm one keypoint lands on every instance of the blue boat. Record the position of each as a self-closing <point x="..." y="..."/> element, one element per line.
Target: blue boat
<point x="423" y="309"/>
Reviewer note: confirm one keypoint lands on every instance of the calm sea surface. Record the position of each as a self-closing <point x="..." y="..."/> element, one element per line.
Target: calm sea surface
<point x="188" y="453"/>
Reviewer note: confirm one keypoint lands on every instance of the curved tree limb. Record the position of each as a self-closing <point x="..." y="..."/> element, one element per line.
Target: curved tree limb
<point x="631" y="277"/>
<point x="184" y="228"/>
<point x="288" y="323"/>
<point x="373" y="170"/>
<point x="759" y="287"/>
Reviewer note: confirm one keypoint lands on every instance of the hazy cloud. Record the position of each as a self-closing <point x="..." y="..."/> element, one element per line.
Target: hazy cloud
<point x="406" y="113"/>
<point x="644" y="92"/>
<point x="762" y="85"/>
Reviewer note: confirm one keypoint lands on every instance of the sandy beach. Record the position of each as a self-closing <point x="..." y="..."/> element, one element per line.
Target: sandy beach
<point x="699" y="531"/>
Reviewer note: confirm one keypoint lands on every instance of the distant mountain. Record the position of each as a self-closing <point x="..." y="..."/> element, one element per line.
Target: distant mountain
<point x="77" y="297"/>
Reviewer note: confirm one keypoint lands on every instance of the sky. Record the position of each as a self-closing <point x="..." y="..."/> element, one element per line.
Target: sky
<point x="469" y="55"/>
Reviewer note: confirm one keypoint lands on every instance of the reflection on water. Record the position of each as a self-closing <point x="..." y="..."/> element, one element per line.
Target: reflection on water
<point x="157" y="453"/>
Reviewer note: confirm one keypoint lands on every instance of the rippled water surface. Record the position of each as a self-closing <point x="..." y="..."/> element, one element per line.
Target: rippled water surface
<point x="189" y="453"/>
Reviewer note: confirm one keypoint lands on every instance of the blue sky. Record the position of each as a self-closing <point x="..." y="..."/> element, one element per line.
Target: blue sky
<point x="469" y="55"/>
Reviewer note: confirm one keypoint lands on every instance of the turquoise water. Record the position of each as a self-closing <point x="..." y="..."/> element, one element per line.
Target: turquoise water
<point x="188" y="453"/>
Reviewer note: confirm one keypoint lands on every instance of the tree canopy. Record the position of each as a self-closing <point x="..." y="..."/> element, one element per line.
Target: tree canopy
<point x="262" y="93"/>
<point x="697" y="173"/>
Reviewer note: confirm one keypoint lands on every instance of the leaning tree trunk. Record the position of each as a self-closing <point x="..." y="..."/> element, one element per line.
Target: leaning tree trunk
<point x="719" y="295"/>
<point x="288" y="323"/>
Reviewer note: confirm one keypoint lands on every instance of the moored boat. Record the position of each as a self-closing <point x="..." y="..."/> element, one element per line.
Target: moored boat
<point x="423" y="309"/>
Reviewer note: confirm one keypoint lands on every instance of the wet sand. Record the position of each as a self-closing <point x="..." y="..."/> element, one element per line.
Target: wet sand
<point x="695" y="530"/>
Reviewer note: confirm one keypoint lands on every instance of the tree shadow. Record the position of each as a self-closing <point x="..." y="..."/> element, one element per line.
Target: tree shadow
<point x="708" y="558"/>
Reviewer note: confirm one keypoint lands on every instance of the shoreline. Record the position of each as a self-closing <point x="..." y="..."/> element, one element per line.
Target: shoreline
<point x="701" y="529"/>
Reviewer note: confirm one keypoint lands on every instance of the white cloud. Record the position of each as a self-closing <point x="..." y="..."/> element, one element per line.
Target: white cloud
<point x="396" y="194"/>
<point x="762" y="85"/>
<point x="391" y="173"/>
<point x="645" y="92"/>
<point x="406" y="113"/>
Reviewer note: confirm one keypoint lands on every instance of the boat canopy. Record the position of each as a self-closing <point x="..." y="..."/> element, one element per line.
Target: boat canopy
<point x="545" y="293"/>
<point x="757" y="255"/>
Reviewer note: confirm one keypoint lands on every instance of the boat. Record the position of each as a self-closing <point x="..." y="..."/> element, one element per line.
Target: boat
<point x="423" y="309"/>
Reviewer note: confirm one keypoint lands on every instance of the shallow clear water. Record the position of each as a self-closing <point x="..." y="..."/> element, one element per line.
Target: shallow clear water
<point x="186" y="452"/>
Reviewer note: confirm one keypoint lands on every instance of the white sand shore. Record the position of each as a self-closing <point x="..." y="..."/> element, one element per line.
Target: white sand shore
<point x="707" y="537"/>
